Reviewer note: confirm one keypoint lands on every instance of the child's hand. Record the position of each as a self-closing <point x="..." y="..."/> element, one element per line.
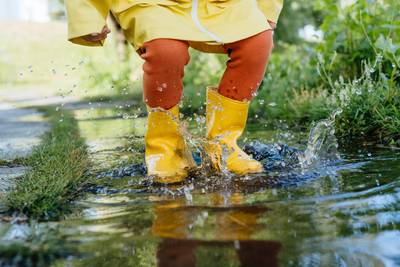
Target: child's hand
<point x="272" y="24"/>
<point x="96" y="37"/>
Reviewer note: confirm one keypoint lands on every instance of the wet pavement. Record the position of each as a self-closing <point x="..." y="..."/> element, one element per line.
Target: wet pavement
<point x="335" y="211"/>
<point x="21" y="130"/>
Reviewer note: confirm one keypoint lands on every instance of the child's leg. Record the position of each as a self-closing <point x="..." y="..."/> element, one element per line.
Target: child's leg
<point x="167" y="156"/>
<point x="165" y="60"/>
<point x="226" y="112"/>
<point x="246" y="66"/>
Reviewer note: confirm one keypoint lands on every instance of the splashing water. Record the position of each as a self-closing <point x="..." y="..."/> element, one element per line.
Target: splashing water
<point x="322" y="144"/>
<point x="321" y="149"/>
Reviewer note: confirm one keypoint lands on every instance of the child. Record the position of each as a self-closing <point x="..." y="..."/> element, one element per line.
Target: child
<point x="161" y="32"/>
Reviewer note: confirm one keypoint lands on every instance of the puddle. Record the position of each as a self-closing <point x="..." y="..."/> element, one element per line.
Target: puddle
<point x="341" y="209"/>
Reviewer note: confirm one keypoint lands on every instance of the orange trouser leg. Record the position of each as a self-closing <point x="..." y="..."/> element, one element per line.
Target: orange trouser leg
<point x="165" y="60"/>
<point x="246" y="67"/>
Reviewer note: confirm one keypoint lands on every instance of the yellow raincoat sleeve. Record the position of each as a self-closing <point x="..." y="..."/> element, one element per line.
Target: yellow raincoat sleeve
<point x="86" y="17"/>
<point x="271" y="8"/>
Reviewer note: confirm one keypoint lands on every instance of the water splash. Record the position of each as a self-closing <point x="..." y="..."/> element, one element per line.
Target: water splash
<point x="321" y="151"/>
<point x="322" y="144"/>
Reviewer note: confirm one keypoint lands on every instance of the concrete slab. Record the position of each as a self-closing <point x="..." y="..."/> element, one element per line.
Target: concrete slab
<point x="20" y="131"/>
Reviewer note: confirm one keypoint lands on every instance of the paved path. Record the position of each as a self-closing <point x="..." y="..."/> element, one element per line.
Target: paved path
<point x="20" y="131"/>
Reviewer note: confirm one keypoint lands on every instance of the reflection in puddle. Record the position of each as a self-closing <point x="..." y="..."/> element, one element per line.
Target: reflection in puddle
<point x="191" y="253"/>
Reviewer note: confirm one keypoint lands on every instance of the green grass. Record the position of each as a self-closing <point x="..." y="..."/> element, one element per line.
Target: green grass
<point x="370" y="107"/>
<point x="57" y="171"/>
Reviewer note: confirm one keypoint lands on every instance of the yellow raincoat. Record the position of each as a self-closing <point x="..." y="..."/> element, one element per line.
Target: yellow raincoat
<point x="206" y="24"/>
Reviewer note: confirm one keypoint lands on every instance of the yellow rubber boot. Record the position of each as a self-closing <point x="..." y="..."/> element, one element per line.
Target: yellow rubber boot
<point x="226" y="119"/>
<point x="167" y="156"/>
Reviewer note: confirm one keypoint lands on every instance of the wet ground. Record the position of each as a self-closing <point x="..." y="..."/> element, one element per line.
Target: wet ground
<point x="20" y="131"/>
<point x="322" y="211"/>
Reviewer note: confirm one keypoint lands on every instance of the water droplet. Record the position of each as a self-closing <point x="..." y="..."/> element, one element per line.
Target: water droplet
<point x="236" y="244"/>
<point x="188" y="195"/>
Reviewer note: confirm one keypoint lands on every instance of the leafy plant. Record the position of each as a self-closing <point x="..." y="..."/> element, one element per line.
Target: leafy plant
<point x="357" y="31"/>
<point x="369" y="108"/>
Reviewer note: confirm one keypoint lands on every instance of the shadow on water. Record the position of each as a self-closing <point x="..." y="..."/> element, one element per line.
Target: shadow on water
<point x="315" y="205"/>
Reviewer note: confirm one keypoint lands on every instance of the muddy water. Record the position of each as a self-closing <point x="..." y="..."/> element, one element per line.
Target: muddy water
<point x="341" y="212"/>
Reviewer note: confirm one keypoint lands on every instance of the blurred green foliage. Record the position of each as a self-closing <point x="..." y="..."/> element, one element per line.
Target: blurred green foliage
<point x="359" y="32"/>
<point x="295" y="15"/>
